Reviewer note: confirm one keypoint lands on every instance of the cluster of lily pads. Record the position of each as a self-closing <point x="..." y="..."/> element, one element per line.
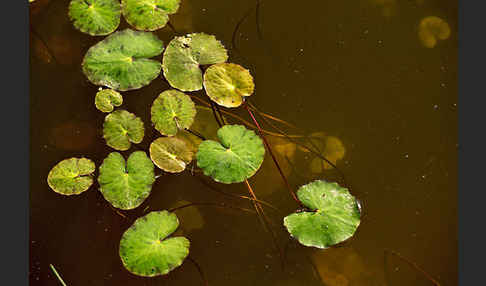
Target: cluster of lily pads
<point x="122" y="61"/>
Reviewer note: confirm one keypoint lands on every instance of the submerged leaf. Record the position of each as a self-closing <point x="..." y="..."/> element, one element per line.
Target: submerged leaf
<point x="171" y="154"/>
<point x="185" y="54"/>
<point x="121" y="128"/>
<point x="334" y="215"/>
<point x="172" y="110"/>
<point x="107" y="99"/>
<point x="126" y="184"/>
<point x="238" y="156"/>
<point x="121" y="61"/>
<point x="432" y="28"/>
<point x="146" y="248"/>
<point x="71" y="176"/>
<point x="227" y="84"/>
<point x="95" y="17"/>
<point x="149" y="15"/>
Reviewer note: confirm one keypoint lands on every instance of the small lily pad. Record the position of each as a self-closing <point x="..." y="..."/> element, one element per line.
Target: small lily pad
<point x="185" y="54"/>
<point x="149" y="15"/>
<point x="71" y="176"/>
<point x="95" y="17"/>
<point x="121" y="128"/>
<point x="121" y="61"/>
<point x="107" y="99"/>
<point x="171" y="154"/>
<point x="126" y="185"/>
<point x="146" y="248"/>
<point x="238" y="156"/>
<point x="172" y="110"/>
<point x="227" y="84"/>
<point x="333" y="215"/>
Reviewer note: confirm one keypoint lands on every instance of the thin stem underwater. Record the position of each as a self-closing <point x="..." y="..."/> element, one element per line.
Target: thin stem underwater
<point x="57" y="275"/>
<point x="221" y="205"/>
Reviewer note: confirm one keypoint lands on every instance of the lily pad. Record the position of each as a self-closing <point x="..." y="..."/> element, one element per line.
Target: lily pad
<point x="121" y="61"/>
<point x="107" y="99"/>
<point x="171" y="154"/>
<point x="227" y="84"/>
<point x="172" y="110"/>
<point x="146" y="248"/>
<point x="121" y="128"/>
<point x="185" y="54"/>
<point x="431" y="29"/>
<point x="333" y="215"/>
<point x="95" y="17"/>
<point x="71" y="176"/>
<point x="238" y="156"/>
<point x="126" y="184"/>
<point x="149" y="15"/>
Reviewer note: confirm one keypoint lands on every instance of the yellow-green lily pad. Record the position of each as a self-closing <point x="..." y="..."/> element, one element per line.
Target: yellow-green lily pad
<point x="172" y="110"/>
<point x="107" y="99"/>
<point x="227" y="84"/>
<point x="95" y="17"/>
<point x="171" y="154"/>
<point x="71" y="176"/>
<point x="121" y="128"/>
<point x="149" y="15"/>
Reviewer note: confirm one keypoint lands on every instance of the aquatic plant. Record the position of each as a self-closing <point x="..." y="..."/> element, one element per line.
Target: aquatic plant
<point x="431" y="29"/>
<point x="148" y="15"/>
<point x="95" y="17"/>
<point x="107" y="99"/>
<point x="121" y="129"/>
<point x="71" y="176"/>
<point x="172" y="110"/>
<point x="171" y="154"/>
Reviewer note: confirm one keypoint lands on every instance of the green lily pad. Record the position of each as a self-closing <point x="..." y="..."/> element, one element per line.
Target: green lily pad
<point x="95" y="17"/>
<point x="146" y="248"/>
<point x="185" y="54"/>
<point x="126" y="184"/>
<point x="107" y="99"/>
<point x="238" y="156"/>
<point x="334" y="215"/>
<point x="172" y="110"/>
<point x="227" y="84"/>
<point x="171" y="154"/>
<point x="71" y="176"/>
<point x="121" y="61"/>
<point x="121" y="128"/>
<point x="149" y="15"/>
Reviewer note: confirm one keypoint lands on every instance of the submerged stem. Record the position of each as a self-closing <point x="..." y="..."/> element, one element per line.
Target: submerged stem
<point x="414" y="265"/>
<point x="57" y="275"/>
<point x="221" y="205"/>
<point x="199" y="269"/>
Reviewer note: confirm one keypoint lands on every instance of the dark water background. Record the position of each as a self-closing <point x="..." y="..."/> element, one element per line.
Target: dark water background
<point x="355" y="70"/>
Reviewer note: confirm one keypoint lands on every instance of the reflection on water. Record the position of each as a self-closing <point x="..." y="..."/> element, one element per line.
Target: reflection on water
<point x="432" y="29"/>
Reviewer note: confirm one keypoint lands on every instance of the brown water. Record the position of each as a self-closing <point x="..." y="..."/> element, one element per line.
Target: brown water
<point x="355" y="70"/>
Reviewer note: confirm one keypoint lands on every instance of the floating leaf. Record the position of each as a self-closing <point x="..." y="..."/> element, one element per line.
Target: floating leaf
<point x="95" y="17"/>
<point x="146" y="248"/>
<point x="121" y="61"/>
<point x="172" y="110"/>
<point x="227" y="84"/>
<point x="149" y="15"/>
<point x="238" y="156"/>
<point x="333" y="215"/>
<point x="107" y="99"/>
<point x="432" y="28"/>
<point x="71" y="176"/>
<point x="126" y="184"/>
<point x="171" y="154"/>
<point x="122" y="127"/>
<point x="185" y="54"/>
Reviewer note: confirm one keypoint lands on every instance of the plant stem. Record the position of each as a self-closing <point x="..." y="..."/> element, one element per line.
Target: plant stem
<point x="199" y="269"/>
<point x="414" y="265"/>
<point x="195" y="133"/>
<point x="222" y="205"/>
<point x="57" y="275"/>
<point x="215" y="115"/>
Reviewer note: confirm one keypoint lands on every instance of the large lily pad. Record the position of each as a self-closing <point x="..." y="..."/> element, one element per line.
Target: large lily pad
<point x="107" y="99"/>
<point x="71" y="176"/>
<point x="333" y="215"/>
<point x="238" y="156"/>
<point x="149" y="15"/>
<point x="121" y="61"/>
<point x="171" y="154"/>
<point x="185" y="54"/>
<point x="171" y="111"/>
<point x="146" y="248"/>
<point x="227" y="84"/>
<point x="95" y="17"/>
<point x="126" y="184"/>
<point x="121" y="128"/>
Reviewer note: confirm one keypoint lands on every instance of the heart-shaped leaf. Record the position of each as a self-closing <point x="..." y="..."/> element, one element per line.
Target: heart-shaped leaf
<point x="146" y="248"/>
<point x="333" y="216"/>
<point x="149" y="15"/>
<point x="185" y="54"/>
<point x="126" y="184"/>
<point x="238" y="156"/>
<point x="71" y="176"/>
<point x="107" y="99"/>
<point x="171" y="154"/>
<point x="172" y="110"/>
<point x="121" y="128"/>
<point x="227" y="84"/>
<point x="95" y="17"/>
<point x="121" y="61"/>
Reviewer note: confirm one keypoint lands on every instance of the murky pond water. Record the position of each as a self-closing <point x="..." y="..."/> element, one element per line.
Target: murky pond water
<point x="359" y="75"/>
